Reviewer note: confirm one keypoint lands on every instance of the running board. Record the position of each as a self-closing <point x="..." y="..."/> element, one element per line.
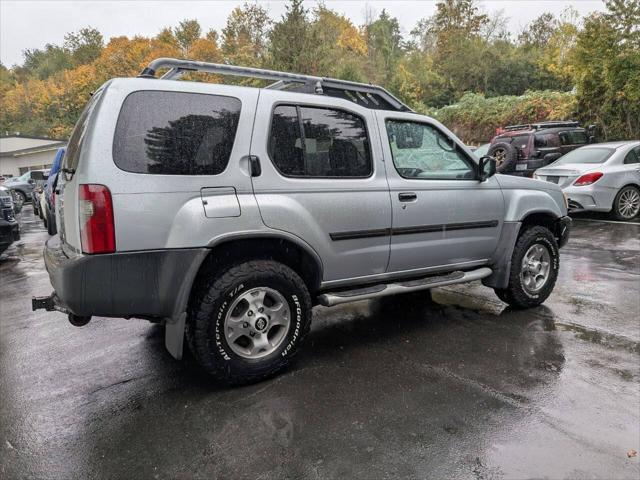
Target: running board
<point x="330" y="299"/>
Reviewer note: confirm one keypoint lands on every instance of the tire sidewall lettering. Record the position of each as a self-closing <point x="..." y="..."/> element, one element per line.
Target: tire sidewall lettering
<point x="227" y="300"/>
<point x="219" y="321"/>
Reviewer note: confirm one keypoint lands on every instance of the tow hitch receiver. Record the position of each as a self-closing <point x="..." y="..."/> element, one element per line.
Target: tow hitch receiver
<point x="51" y="304"/>
<point x="44" y="303"/>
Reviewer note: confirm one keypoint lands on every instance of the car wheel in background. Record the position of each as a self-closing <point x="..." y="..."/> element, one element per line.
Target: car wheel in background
<point x="505" y="155"/>
<point x="626" y="205"/>
<point x="534" y="269"/>
<point x="19" y="198"/>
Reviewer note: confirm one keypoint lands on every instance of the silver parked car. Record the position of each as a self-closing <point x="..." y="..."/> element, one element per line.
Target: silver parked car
<point x="24" y="185"/>
<point x="228" y="212"/>
<point x="603" y="177"/>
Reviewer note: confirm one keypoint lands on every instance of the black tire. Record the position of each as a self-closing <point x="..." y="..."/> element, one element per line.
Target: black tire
<point x="51" y="223"/>
<point x="516" y="294"/>
<point x="213" y="299"/>
<point x="22" y="195"/>
<point x="506" y="156"/>
<point x="617" y="211"/>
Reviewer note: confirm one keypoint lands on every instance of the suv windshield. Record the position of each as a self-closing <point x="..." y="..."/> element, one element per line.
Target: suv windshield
<point x="586" y="155"/>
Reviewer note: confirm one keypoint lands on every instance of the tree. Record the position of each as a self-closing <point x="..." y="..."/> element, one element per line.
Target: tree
<point x="186" y="33"/>
<point x="337" y="48"/>
<point x="458" y="17"/>
<point x="244" y="38"/>
<point x="624" y="17"/>
<point x="606" y="68"/>
<point x="384" y="45"/>
<point x="289" y="48"/>
<point x="45" y="63"/>
<point x="538" y="33"/>
<point x="84" y="45"/>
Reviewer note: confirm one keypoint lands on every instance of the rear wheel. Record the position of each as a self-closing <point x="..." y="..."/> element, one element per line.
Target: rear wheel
<point x="626" y="205"/>
<point x="246" y="323"/>
<point x="534" y="269"/>
<point x="50" y="223"/>
<point x="505" y="155"/>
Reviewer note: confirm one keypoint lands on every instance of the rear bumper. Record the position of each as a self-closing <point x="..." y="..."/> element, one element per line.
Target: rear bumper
<point x="130" y="284"/>
<point x="593" y="198"/>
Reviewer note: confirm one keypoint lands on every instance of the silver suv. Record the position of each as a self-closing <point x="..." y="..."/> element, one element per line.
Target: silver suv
<point x="228" y="212"/>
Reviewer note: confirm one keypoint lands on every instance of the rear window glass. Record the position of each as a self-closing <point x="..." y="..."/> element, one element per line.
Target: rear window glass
<point x="70" y="160"/>
<point x="520" y="141"/>
<point x="585" y="155"/>
<point x="175" y="133"/>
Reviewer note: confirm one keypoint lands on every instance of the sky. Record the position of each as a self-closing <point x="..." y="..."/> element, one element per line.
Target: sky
<point x="26" y="24"/>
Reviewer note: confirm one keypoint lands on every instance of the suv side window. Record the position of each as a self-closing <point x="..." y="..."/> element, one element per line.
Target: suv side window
<point x="633" y="156"/>
<point x="175" y="133"/>
<point x="420" y="151"/>
<point x="573" y="138"/>
<point x="315" y="142"/>
<point x="543" y="140"/>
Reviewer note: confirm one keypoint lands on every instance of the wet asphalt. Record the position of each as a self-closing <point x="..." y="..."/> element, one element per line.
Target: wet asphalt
<point x="449" y="384"/>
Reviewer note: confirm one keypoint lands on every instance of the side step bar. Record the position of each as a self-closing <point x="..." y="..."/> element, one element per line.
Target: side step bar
<point x="330" y="299"/>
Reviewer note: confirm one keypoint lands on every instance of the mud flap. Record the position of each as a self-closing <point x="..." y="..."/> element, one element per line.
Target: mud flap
<point x="174" y="336"/>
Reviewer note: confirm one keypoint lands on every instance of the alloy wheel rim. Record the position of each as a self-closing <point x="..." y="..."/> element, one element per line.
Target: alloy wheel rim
<point x="536" y="266"/>
<point x="629" y="203"/>
<point x="257" y="322"/>
<point x="499" y="155"/>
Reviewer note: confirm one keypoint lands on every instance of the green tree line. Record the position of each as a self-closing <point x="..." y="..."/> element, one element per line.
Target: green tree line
<point x="460" y="64"/>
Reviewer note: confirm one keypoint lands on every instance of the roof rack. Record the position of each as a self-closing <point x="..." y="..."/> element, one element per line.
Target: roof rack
<point x="541" y="125"/>
<point x="369" y="96"/>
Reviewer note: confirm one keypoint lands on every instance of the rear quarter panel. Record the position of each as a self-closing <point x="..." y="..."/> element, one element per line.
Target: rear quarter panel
<point x="153" y="211"/>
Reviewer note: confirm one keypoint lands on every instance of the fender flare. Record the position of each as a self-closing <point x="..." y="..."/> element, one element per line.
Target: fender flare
<point x="175" y="325"/>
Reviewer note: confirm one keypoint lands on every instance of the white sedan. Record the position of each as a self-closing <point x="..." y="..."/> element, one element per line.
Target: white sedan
<point x="601" y="177"/>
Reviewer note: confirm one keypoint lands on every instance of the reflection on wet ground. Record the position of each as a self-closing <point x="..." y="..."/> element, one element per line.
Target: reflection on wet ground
<point x="449" y="384"/>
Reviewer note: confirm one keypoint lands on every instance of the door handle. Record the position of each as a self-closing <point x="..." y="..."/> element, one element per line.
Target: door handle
<point x="407" y="196"/>
<point x="254" y="166"/>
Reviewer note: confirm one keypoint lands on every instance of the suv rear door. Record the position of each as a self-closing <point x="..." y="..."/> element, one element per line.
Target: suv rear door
<point x="443" y="217"/>
<point x="323" y="180"/>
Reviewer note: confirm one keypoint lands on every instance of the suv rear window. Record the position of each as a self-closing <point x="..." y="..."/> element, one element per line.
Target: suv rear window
<point x="70" y="160"/>
<point x="319" y="142"/>
<point x="175" y="133"/>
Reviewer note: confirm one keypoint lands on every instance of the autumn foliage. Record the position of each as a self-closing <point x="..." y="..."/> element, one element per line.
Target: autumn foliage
<point x="460" y="65"/>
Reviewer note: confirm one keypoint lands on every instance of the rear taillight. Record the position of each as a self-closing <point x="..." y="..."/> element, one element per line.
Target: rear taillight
<point x="588" y="179"/>
<point x="95" y="211"/>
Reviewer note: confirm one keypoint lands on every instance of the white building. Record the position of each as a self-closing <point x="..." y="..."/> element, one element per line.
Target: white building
<point x="19" y="154"/>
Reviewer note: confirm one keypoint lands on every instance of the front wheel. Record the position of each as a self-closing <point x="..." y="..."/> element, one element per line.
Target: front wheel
<point x="626" y="205"/>
<point x="247" y="322"/>
<point x="534" y="269"/>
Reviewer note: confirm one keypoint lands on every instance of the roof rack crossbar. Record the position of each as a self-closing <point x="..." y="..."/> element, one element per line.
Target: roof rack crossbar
<point x="282" y="79"/>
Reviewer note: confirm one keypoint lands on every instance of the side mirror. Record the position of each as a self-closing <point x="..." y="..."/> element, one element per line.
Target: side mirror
<point x="31" y="181"/>
<point x="592" y="139"/>
<point x="486" y="168"/>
